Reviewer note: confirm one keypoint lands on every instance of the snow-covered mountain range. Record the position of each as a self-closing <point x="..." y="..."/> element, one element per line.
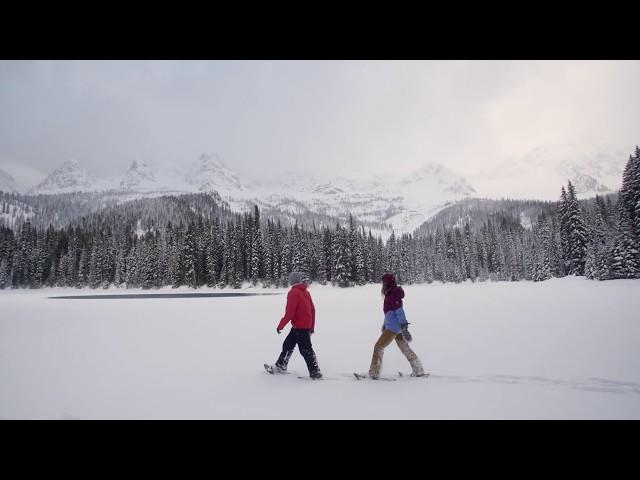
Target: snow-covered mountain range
<point x="540" y="173"/>
<point x="384" y="202"/>
<point x="394" y="202"/>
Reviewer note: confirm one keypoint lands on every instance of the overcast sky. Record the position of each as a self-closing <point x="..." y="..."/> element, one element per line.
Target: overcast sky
<point x="342" y="117"/>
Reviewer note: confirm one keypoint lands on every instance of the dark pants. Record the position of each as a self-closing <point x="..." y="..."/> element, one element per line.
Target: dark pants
<point x="302" y="338"/>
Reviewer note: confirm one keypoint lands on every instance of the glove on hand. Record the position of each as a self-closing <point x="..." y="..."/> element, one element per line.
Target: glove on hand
<point x="405" y="332"/>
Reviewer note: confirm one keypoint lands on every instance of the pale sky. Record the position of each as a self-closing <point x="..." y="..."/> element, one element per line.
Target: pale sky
<point x="323" y="117"/>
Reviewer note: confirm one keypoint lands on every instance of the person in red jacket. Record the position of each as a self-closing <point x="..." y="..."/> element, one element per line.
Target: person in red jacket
<point x="301" y="312"/>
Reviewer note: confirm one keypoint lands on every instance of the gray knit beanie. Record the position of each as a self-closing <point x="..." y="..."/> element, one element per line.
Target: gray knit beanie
<point x="295" y="277"/>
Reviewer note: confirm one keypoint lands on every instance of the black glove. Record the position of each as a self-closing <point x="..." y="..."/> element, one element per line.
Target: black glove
<point x="405" y="332"/>
<point x="279" y="331"/>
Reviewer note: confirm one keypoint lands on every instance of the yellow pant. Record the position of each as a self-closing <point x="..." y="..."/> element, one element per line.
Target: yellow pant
<point x="383" y="342"/>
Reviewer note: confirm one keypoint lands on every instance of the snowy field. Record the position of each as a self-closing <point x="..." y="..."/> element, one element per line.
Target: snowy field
<point x="562" y="349"/>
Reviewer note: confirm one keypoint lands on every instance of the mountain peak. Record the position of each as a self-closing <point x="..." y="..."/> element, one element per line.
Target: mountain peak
<point x="540" y="172"/>
<point x="69" y="177"/>
<point x="212" y="159"/>
<point x="210" y="172"/>
<point x="140" y="174"/>
<point x="70" y="164"/>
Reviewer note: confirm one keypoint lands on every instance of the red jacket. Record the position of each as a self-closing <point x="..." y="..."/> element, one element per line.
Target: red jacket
<point x="300" y="310"/>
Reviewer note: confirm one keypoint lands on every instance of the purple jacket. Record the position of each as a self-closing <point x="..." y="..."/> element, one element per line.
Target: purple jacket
<point x="393" y="299"/>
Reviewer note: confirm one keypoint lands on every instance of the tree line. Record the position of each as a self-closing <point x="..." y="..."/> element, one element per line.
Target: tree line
<point x="150" y="243"/>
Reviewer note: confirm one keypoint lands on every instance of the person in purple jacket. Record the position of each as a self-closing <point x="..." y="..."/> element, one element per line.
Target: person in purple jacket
<point x="395" y="327"/>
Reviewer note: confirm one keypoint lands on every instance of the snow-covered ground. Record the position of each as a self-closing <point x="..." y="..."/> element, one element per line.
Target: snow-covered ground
<point x="565" y="348"/>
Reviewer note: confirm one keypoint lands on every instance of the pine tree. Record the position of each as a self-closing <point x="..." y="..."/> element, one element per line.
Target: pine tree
<point x="300" y="260"/>
<point x="439" y="256"/>
<point x="95" y="264"/>
<point x="286" y="260"/>
<point x="172" y="265"/>
<point x="625" y="251"/>
<point x="322" y="259"/>
<point x="404" y="272"/>
<point x="562" y="213"/>
<point x="237" y="255"/>
<point x="629" y="195"/>
<point x="188" y="258"/>
<point x="577" y="233"/>
<point x="635" y="185"/>
<point x="227" y="272"/>
<point x="393" y="262"/>
<point x="120" y="268"/>
<point x="359" y="263"/>
<point x="469" y="259"/>
<point x="597" y="265"/>
<point x="257" y="253"/>
<point x="26" y="252"/>
<point x="327" y="254"/>
<point x="4" y="276"/>
<point x="542" y="269"/>
<point x="341" y="255"/>
<point x="83" y="268"/>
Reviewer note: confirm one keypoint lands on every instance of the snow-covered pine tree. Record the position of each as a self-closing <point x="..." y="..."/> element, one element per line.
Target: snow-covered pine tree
<point x="352" y="248"/>
<point x="4" y="273"/>
<point x="201" y="237"/>
<point x="341" y="254"/>
<point x="562" y="214"/>
<point x="120" y="267"/>
<point x="327" y="253"/>
<point x="172" y="262"/>
<point x="393" y="263"/>
<point x="469" y="259"/>
<point x="226" y="273"/>
<point x="542" y="270"/>
<point x="267" y="238"/>
<point x="300" y="260"/>
<point x="381" y="264"/>
<point x="83" y="266"/>
<point x="439" y="255"/>
<point x="286" y="258"/>
<point x="313" y="255"/>
<point x="576" y="231"/>
<point x="530" y="259"/>
<point x="360" y="267"/>
<point x="240" y="259"/>
<point x="629" y="195"/>
<point x="257" y="252"/>
<point x="371" y="258"/>
<point x="95" y="263"/>
<point x="321" y="253"/>
<point x="27" y="241"/>
<point x="404" y="272"/>
<point x="188" y="258"/>
<point x="277" y="247"/>
<point x="625" y="250"/>
<point x="599" y="249"/>
<point x="421" y="261"/>
<point x="635" y="186"/>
